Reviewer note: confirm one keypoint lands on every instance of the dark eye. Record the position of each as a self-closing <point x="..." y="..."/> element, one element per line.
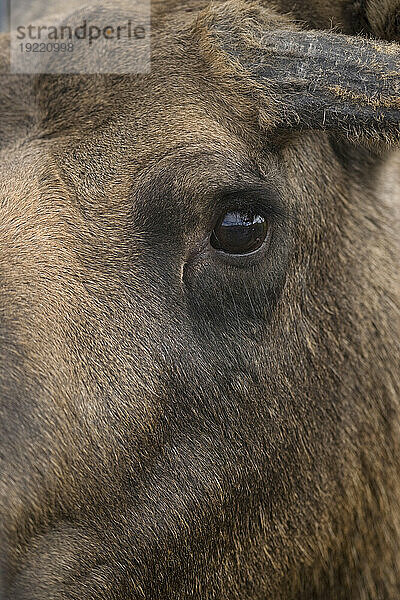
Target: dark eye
<point x="239" y="233"/>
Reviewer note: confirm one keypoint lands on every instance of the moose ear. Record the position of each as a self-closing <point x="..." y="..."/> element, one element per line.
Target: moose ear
<point x="313" y="79"/>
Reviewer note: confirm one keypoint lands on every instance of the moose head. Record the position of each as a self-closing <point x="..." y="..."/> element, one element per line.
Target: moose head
<point x="200" y="314"/>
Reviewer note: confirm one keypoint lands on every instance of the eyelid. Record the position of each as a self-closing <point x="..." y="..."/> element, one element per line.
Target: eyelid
<point x="252" y="193"/>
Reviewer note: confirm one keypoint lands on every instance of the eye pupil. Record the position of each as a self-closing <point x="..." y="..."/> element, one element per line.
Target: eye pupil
<point x="239" y="233"/>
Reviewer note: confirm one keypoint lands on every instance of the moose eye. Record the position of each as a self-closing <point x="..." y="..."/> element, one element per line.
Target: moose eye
<point x="239" y="233"/>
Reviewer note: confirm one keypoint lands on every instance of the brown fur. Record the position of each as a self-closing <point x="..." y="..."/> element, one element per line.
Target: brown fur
<point x="173" y="426"/>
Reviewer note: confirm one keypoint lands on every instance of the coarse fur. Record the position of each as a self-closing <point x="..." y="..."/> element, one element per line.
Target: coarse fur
<point x="175" y="424"/>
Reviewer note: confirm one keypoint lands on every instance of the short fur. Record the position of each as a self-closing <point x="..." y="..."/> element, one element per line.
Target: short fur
<point x="174" y="426"/>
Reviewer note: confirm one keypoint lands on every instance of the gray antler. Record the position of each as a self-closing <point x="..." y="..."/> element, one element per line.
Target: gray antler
<point x="330" y="80"/>
<point x="312" y="79"/>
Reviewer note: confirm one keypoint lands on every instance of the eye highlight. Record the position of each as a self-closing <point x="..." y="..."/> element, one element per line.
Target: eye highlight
<point x="239" y="232"/>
